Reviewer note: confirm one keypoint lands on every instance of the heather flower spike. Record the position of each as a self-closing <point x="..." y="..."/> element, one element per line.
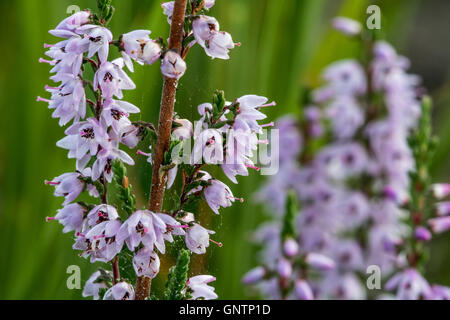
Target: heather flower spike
<point x="357" y="164"/>
<point x="114" y="228"/>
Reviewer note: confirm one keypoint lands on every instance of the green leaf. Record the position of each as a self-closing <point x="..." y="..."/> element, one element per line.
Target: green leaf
<point x="178" y="275"/>
<point x="126" y="266"/>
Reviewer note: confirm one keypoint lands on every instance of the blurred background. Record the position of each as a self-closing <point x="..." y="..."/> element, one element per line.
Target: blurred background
<point x="285" y="44"/>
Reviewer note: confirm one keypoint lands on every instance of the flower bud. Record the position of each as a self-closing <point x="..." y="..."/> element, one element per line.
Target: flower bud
<point x="320" y="262"/>
<point x="173" y="66"/>
<point x="290" y="247"/>
<point x="254" y="275"/>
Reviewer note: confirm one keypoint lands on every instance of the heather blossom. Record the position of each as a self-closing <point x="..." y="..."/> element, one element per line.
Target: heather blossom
<point x="115" y="229"/>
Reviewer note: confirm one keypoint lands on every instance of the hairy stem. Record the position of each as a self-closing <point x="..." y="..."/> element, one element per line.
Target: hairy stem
<point x="164" y="130"/>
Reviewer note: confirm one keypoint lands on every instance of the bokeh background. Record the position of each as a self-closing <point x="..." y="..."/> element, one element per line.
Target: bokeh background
<point x="285" y="44"/>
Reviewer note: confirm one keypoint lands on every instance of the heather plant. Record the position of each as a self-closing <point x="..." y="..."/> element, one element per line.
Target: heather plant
<point x="357" y="168"/>
<point x="111" y="228"/>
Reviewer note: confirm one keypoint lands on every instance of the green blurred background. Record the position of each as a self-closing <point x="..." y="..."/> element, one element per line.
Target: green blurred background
<point x="285" y="44"/>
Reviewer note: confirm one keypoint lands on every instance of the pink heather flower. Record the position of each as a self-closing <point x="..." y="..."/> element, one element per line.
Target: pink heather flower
<point x="115" y="114"/>
<point x="254" y="275"/>
<point x="199" y="289"/>
<point x="184" y="131"/>
<point x="422" y="234"/>
<point x="120" y="291"/>
<point x="99" y="39"/>
<point x="218" y="195"/>
<point x="303" y="291"/>
<point x="319" y="261"/>
<point x="443" y="208"/>
<point x="439" y="225"/>
<point x="440" y="292"/>
<point x="68" y="100"/>
<point x="197" y="238"/>
<point x="410" y="285"/>
<point x="347" y="26"/>
<point x="71" y="217"/>
<point x="146" y="263"/>
<point x="216" y="43"/>
<point x="101" y="213"/>
<point x="139" y="47"/>
<point x="92" y="287"/>
<point x="346" y="77"/>
<point x="346" y="117"/>
<point x="250" y="114"/>
<point x="131" y="135"/>
<point x="111" y="79"/>
<point x="440" y="190"/>
<point x="208" y="145"/>
<point x="173" y="66"/>
<point x="102" y="239"/>
<point x="284" y="268"/>
<point x="144" y="227"/>
<point x="83" y="141"/>
<point x="290" y="247"/>
<point x="68" y="26"/>
<point x="69" y="185"/>
<point x="105" y="158"/>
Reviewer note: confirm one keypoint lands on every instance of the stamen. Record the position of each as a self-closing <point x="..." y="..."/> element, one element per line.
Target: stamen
<point x="52" y="62"/>
<point x="219" y="244"/>
<point x="47" y="87"/>
<point x="145" y="229"/>
<point x="264" y="141"/>
<point x="143" y="153"/>
<point x="43" y="100"/>
<point x="268" y="125"/>
<point x="272" y="104"/>
<point x="241" y="200"/>
<point x="252" y="167"/>
<point x="48" y="45"/>
<point x="79" y="234"/>
<point x="49" y="219"/>
<point x="238" y="44"/>
<point x="52" y="183"/>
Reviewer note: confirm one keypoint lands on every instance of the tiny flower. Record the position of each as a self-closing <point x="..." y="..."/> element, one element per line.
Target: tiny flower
<point x="139" y="47"/>
<point x="184" y="131"/>
<point x="347" y="26"/>
<point x="173" y="66"/>
<point x="422" y="234"/>
<point x="68" y="26"/>
<point x="92" y="286"/>
<point x="303" y="290"/>
<point x="443" y="208"/>
<point x="68" y="185"/>
<point x="71" y="217"/>
<point x="439" y="225"/>
<point x="440" y="190"/>
<point x="440" y="292"/>
<point x="144" y="227"/>
<point x="290" y="247"/>
<point x="284" y="268"/>
<point x="197" y="238"/>
<point x="319" y="261"/>
<point x="101" y="213"/>
<point x="146" y="263"/>
<point x="120" y="291"/>
<point x="218" y="195"/>
<point x="410" y="285"/>
<point x="115" y="114"/>
<point x="199" y="289"/>
<point x="254" y="275"/>
<point x="111" y="79"/>
<point x="131" y="135"/>
<point x="99" y="39"/>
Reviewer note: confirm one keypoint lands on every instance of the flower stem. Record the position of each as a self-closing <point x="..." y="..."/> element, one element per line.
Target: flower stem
<point x="164" y="130"/>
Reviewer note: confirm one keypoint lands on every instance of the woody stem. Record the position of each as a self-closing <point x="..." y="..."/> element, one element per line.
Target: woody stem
<point x="143" y="284"/>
